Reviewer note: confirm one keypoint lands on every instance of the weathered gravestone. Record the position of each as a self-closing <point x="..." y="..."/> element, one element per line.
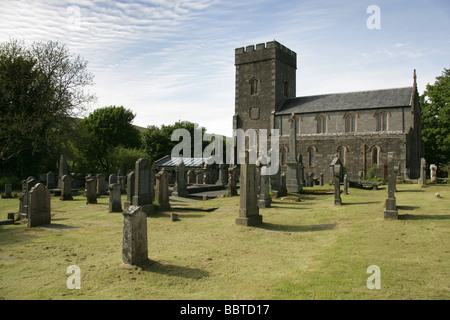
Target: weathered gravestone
<point x="336" y="169"/>
<point x="27" y="184"/>
<point x="391" y="211"/>
<point x="433" y="170"/>
<point x="102" y="186"/>
<point x="66" y="187"/>
<point x="232" y="177"/>
<point x="130" y="189"/>
<point x="264" y="196"/>
<point x="115" y="200"/>
<point x="162" y="190"/>
<point x="135" y="248"/>
<point x="8" y="192"/>
<point x="321" y="180"/>
<point x="180" y="188"/>
<point x="112" y="179"/>
<point x="423" y="172"/>
<point x="143" y="185"/>
<point x="248" y="210"/>
<point x="52" y="181"/>
<point x="91" y="191"/>
<point x="38" y="206"/>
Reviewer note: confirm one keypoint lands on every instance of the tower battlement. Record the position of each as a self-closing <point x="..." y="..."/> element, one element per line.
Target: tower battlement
<point x="265" y="51"/>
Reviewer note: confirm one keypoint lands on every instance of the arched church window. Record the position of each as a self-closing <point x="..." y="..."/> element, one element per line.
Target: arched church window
<point x="381" y="121"/>
<point x="321" y="124"/>
<point x="350" y="122"/>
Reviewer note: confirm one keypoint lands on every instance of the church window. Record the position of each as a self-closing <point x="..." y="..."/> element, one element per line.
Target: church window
<point x="254" y="86"/>
<point x="381" y="121"/>
<point x="350" y="122"/>
<point x="322" y="124"/>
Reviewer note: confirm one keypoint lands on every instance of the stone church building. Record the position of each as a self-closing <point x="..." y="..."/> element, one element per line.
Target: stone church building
<point x="360" y="127"/>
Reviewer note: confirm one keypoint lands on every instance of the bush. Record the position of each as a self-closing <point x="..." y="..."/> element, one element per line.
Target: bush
<point x="14" y="181"/>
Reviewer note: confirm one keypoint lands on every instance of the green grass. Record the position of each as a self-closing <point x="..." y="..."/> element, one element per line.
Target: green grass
<point x="304" y="250"/>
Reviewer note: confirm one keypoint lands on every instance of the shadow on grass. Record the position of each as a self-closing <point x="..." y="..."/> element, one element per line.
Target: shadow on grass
<point x="424" y="217"/>
<point x="407" y="208"/>
<point x="171" y="270"/>
<point x="355" y="203"/>
<point x="291" y="228"/>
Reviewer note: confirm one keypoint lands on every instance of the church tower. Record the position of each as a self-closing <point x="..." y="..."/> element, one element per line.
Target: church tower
<point x="265" y="78"/>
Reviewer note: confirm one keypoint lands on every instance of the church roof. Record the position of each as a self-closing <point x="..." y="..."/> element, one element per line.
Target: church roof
<point x="375" y="99"/>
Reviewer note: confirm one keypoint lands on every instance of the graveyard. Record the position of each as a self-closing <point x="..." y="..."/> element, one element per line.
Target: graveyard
<point x="306" y="248"/>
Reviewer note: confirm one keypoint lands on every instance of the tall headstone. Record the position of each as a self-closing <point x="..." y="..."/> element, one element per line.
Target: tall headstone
<point x="248" y="210"/>
<point x="115" y="198"/>
<point x="63" y="170"/>
<point x="52" y="182"/>
<point x="39" y="206"/>
<point x="66" y="187"/>
<point x="112" y="179"/>
<point x="130" y="189"/>
<point x="102" y="186"/>
<point x="143" y="185"/>
<point x="293" y="183"/>
<point x="91" y="191"/>
<point x="162" y="190"/>
<point x="180" y="188"/>
<point x="423" y="172"/>
<point x="391" y="211"/>
<point x="232" y="177"/>
<point x="433" y="170"/>
<point x="336" y="169"/>
<point x="134" y="248"/>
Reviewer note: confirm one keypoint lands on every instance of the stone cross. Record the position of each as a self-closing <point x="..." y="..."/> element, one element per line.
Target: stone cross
<point x="134" y="248"/>
<point x="162" y="190"/>
<point x="433" y="169"/>
<point x="248" y="209"/>
<point x="66" y="187"/>
<point x="91" y="191"/>
<point x="143" y="185"/>
<point x="39" y="206"/>
<point x="336" y="169"/>
<point x="115" y="198"/>
<point x="391" y="211"/>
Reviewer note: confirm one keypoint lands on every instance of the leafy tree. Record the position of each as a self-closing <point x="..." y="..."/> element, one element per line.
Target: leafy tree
<point x="102" y="132"/>
<point x="435" y="105"/>
<point x="42" y="87"/>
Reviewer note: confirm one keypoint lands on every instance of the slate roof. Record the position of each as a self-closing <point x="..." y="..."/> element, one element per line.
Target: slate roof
<point x="375" y="99"/>
<point x="173" y="162"/>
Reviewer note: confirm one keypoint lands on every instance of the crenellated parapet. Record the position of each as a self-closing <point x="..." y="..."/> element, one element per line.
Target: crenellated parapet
<point x="265" y="51"/>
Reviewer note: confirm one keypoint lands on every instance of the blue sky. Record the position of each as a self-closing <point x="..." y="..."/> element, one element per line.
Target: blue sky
<point x="174" y="59"/>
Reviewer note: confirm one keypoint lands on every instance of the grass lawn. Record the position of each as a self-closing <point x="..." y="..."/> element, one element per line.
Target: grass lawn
<point x="304" y="250"/>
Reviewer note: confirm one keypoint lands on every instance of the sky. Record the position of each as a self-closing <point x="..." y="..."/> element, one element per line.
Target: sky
<point x="170" y="60"/>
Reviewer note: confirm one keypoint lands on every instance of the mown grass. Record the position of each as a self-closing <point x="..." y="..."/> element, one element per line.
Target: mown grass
<point x="304" y="250"/>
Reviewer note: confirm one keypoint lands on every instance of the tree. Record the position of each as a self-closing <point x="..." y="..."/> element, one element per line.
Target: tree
<point x="42" y="87"/>
<point x="102" y="132"/>
<point x="435" y="105"/>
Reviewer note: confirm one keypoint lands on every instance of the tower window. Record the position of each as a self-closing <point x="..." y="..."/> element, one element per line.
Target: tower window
<point x="254" y="86"/>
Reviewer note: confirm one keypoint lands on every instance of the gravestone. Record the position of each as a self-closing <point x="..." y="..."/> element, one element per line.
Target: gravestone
<point x="115" y="198"/>
<point x="321" y="180"/>
<point x="346" y="184"/>
<point x="391" y="211"/>
<point x="143" y="185"/>
<point x="52" y="182"/>
<point x="264" y="196"/>
<point x="223" y="173"/>
<point x="248" y="210"/>
<point x="91" y="191"/>
<point x="232" y="177"/>
<point x="66" y="187"/>
<point x="433" y="169"/>
<point x="180" y="188"/>
<point x="275" y="180"/>
<point x="336" y="169"/>
<point x="283" y="189"/>
<point x="423" y="172"/>
<point x="102" y="186"/>
<point x="112" y="180"/>
<point x="162" y="190"/>
<point x="134" y="247"/>
<point x="293" y="183"/>
<point x="27" y="184"/>
<point x="38" y="206"/>
<point x="8" y="192"/>
<point x="130" y="189"/>
<point x="63" y="170"/>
